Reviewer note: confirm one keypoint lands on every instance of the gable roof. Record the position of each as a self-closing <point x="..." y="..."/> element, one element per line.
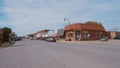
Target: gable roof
<point x="80" y="26"/>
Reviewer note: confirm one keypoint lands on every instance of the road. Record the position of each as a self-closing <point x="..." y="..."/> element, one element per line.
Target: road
<point x="41" y="54"/>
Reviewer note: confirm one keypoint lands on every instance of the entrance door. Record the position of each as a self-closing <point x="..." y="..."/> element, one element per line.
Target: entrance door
<point x="77" y="35"/>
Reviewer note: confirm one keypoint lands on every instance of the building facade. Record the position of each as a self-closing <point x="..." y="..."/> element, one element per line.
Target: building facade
<point x="41" y="34"/>
<point x="79" y="31"/>
<point x="113" y="34"/>
<point x="30" y="36"/>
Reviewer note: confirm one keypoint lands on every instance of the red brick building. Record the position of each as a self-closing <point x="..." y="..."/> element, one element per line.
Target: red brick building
<point x="79" y="31"/>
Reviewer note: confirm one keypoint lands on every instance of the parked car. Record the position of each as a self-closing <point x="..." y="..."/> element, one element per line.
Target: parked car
<point x="50" y="39"/>
<point x="32" y="39"/>
<point x="117" y="37"/>
<point x="104" y="39"/>
<point x="18" y="38"/>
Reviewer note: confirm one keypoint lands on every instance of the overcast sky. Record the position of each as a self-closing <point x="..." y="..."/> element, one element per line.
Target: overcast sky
<point x="30" y="16"/>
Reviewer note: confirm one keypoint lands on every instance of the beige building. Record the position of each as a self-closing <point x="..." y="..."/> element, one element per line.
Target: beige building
<point x="41" y="34"/>
<point x="113" y="34"/>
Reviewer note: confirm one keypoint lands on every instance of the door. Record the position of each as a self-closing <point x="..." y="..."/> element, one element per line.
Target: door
<point x="77" y="35"/>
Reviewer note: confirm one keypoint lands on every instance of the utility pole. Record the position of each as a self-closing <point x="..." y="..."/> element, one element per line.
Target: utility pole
<point x="66" y="19"/>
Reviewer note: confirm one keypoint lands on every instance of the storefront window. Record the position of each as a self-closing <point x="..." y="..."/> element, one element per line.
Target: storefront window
<point x="70" y="34"/>
<point x="77" y="34"/>
<point x="85" y="34"/>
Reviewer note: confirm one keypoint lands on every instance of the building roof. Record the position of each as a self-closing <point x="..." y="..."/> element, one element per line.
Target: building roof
<point x="60" y="32"/>
<point x="80" y="26"/>
<point x="42" y="31"/>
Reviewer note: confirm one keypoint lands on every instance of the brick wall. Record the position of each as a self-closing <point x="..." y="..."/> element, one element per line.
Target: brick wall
<point x="93" y="35"/>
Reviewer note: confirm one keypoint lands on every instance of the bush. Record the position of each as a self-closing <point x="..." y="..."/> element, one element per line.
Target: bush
<point x="94" y="23"/>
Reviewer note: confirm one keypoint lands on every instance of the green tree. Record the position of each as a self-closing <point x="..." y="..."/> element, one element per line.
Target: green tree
<point x="94" y="23"/>
<point x="6" y="34"/>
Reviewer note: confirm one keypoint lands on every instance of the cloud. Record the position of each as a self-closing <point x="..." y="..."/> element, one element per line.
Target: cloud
<point x="29" y="16"/>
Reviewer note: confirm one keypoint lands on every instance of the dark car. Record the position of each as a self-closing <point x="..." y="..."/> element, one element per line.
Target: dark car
<point x="50" y="39"/>
<point x="32" y="38"/>
<point x="18" y="38"/>
<point x="117" y="37"/>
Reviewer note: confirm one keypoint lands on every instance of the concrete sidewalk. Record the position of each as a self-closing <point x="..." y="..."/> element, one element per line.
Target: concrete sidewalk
<point x="7" y="44"/>
<point x="94" y="42"/>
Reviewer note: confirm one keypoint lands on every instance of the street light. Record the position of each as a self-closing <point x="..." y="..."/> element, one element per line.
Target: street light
<point x="66" y="19"/>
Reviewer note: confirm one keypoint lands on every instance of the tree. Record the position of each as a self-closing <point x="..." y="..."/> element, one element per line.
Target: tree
<point x="93" y="23"/>
<point x="6" y="34"/>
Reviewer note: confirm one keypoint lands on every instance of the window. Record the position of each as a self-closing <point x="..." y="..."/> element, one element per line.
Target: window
<point x="70" y="34"/>
<point x="77" y="35"/>
<point x="85" y="34"/>
<point x="100" y="34"/>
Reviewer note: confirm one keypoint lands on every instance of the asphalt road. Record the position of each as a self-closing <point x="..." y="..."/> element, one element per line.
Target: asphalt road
<point x="41" y="54"/>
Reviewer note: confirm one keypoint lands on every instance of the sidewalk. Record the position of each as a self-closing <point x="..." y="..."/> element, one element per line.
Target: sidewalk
<point x="79" y="41"/>
<point x="93" y="42"/>
<point x="6" y="44"/>
<point x="90" y="41"/>
<point x="3" y="45"/>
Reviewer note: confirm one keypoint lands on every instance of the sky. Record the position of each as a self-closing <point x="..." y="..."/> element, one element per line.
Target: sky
<point x="29" y="16"/>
